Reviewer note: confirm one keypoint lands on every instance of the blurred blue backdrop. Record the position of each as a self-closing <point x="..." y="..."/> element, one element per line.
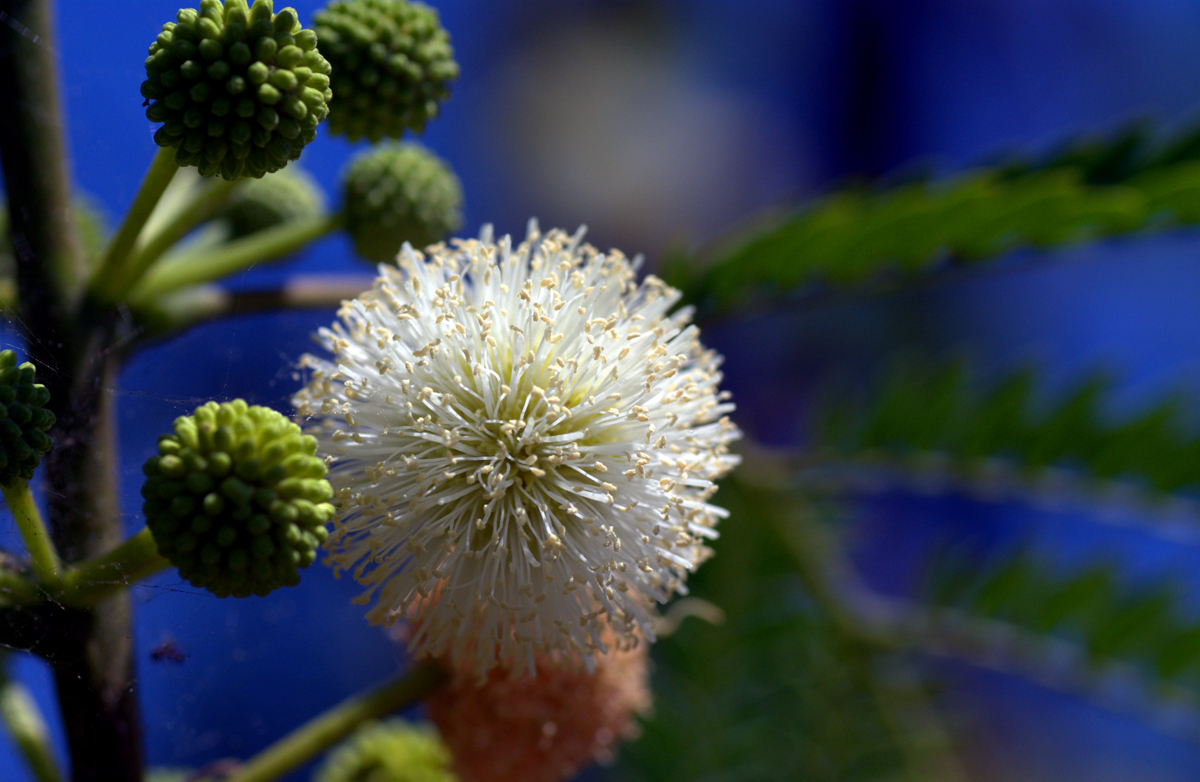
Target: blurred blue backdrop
<point x="665" y="124"/>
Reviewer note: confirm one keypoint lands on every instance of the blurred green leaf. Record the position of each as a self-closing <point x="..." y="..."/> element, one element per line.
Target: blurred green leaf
<point x="855" y="236"/>
<point x="917" y="409"/>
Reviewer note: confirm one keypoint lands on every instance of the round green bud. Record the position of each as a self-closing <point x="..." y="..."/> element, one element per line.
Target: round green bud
<point x="399" y="193"/>
<point x="239" y="90"/>
<point x="23" y="420"/>
<point x="392" y="751"/>
<point x="283" y="197"/>
<point x="237" y="499"/>
<point x="392" y="65"/>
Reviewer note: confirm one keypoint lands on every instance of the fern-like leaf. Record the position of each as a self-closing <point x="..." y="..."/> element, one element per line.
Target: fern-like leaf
<point x="1147" y="627"/>
<point x="858" y="235"/>
<point x="917" y="412"/>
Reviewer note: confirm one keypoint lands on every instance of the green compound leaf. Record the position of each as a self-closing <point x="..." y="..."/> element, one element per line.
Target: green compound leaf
<point x="860" y="235"/>
<point x="1147" y="627"/>
<point x="918" y="415"/>
<point x="778" y="691"/>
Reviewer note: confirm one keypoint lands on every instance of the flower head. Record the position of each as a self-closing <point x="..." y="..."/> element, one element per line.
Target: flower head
<point x="23" y="420"/>
<point x="526" y="432"/>
<point x="392" y="66"/>
<point x="239" y="89"/>
<point x="543" y="728"/>
<point x="236" y="499"/>
<point x="396" y="193"/>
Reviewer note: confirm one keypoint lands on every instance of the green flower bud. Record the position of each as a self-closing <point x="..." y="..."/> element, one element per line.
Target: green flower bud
<point x="236" y="499"/>
<point x="392" y="65"/>
<point x="278" y="198"/>
<point x="399" y="193"/>
<point x="392" y="751"/>
<point x="23" y="420"/>
<point x="239" y="90"/>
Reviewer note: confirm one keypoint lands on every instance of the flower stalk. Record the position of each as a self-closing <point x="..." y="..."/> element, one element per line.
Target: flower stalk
<point x="214" y="263"/>
<point x="201" y="206"/>
<point x="111" y="268"/>
<point x="42" y="555"/>
<point x="28" y="731"/>
<point x="91" y="581"/>
<point x="324" y="731"/>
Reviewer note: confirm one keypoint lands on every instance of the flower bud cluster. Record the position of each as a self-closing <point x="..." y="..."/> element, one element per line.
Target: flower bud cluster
<point x="236" y="499"/>
<point x="23" y="420"/>
<point x="399" y="193"/>
<point x="239" y="90"/>
<point x="392" y="65"/>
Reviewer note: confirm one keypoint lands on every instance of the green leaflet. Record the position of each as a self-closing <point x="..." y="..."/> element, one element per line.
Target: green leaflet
<point x="917" y="410"/>
<point x="777" y="691"/>
<point x="1091" y="607"/>
<point x="858" y="235"/>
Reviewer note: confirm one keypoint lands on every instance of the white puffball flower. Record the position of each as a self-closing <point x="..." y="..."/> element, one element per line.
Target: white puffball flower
<point x="523" y="442"/>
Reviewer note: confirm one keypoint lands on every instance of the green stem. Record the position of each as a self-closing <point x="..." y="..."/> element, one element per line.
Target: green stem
<point x="112" y="264"/>
<point x="327" y="729"/>
<point x="200" y="303"/>
<point x="92" y="580"/>
<point x="42" y="554"/>
<point x="28" y="731"/>
<point x="199" y="209"/>
<point x="212" y="264"/>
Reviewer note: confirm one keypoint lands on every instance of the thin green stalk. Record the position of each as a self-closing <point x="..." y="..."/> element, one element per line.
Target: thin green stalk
<point x="318" y="734"/>
<point x="212" y="264"/>
<point x="199" y="209"/>
<point x="112" y="264"/>
<point x="28" y="731"/>
<point x="42" y="554"/>
<point x="92" y="580"/>
<point x="190" y="306"/>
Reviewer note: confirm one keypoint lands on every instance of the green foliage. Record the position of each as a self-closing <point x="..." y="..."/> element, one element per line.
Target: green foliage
<point x="917" y="410"/>
<point x="776" y="692"/>
<point x="1092" y="607"/>
<point x="860" y="235"/>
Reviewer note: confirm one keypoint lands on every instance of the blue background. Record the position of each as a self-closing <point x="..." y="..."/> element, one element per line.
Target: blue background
<point x="666" y="124"/>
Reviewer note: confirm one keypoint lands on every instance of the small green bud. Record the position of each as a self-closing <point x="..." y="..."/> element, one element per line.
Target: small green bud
<point x="391" y="751"/>
<point x="278" y="198"/>
<point x="213" y="499"/>
<point x="204" y="64"/>
<point x="399" y="193"/>
<point x="23" y="420"/>
<point x="392" y="65"/>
